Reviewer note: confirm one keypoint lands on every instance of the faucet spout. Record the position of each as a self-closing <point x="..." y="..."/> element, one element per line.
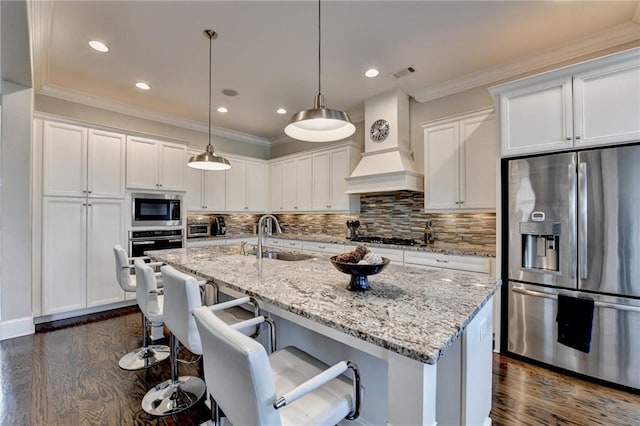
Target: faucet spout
<point x="261" y="232"/>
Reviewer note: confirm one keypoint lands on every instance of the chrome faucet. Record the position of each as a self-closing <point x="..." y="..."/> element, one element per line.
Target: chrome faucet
<point x="261" y="232"/>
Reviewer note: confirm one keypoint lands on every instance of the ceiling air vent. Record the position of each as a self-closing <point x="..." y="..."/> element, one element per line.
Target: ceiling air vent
<point x="403" y="72"/>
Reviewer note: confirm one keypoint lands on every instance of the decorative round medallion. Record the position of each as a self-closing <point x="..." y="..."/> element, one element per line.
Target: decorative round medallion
<point x="379" y="130"/>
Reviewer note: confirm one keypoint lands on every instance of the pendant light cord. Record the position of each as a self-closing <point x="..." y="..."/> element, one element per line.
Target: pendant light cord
<point x="319" y="43"/>
<point x="210" y="66"/>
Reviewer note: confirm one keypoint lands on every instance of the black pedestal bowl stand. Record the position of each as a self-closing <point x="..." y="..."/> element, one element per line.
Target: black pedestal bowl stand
<point x="359" y="273"/>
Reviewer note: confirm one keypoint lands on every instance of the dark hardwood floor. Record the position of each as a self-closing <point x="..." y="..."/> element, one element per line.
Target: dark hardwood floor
<point x="69" y="375"/>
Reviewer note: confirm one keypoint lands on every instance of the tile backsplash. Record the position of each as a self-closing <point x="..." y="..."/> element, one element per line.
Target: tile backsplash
<point x="392" y="214"/>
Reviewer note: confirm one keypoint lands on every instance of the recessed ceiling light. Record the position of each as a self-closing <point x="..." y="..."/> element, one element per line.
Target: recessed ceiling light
<point x="229" y="92"/>
<point x="281" y="111"/>
<point x="372" y="73"/>
<point x="222" y="109"/>
<point x="99" y="46"/>
<point x="142" y="85"/>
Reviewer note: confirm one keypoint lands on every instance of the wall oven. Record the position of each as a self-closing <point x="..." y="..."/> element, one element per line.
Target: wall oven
<point x="158" y="239"/>
<point x="156" y="209"/>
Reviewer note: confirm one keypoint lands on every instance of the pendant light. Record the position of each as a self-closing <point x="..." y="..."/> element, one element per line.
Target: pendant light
<point x="320" y="124"/>
<point x="209" y="160"/>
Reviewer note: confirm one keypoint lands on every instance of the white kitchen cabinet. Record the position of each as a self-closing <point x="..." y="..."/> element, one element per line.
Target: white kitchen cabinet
<point x="276" y="178"/>
<point x="329" y="248"/>
<point x="589" y="104"/>
<point x="78" y="235"/>
<point x="330" y="168"/>
<point x="460" y="156"/>
<point x="206" y="189"/>
<point x="476" y="264"/>
<point x="155" y="165"/>
<point x="297" y="184"/>
<point x="78" y="161"/>
<point x="246" y="185"/>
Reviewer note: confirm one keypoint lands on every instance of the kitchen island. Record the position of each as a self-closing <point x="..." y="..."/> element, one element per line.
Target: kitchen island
<point x="422" y="337"/>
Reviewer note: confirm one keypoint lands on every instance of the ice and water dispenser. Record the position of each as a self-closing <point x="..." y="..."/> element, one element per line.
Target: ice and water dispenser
<point x="540" y="243"/>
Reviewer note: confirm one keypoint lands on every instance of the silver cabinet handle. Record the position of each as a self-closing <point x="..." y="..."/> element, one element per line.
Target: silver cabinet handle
<point x="577" y="137"/>
<point x="322" y="247"/>
<point x="568" y="138"/>
<point x="442" y="261"/>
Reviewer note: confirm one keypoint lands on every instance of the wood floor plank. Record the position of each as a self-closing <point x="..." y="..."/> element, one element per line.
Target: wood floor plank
<point x="70" y="376"/>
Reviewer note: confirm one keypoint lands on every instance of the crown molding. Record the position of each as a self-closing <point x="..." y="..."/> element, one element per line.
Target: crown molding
<point x="620" y="34"/>
<point x="97" y="102"/>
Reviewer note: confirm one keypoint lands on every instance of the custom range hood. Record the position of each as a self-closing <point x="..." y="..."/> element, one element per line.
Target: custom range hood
<point x="387" y="163"/>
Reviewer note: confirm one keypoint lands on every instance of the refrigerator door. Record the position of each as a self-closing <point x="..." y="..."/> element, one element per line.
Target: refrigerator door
<point x="609" y="221"/>
<point x="615" y="333"/>
<point x="542" y="220"/>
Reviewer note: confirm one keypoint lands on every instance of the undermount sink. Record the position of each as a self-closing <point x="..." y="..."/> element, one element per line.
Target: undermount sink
<point x="287" y="257"/>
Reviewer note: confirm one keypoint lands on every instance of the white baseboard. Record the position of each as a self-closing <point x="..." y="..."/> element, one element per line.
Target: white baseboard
<point x="16" y="328"/>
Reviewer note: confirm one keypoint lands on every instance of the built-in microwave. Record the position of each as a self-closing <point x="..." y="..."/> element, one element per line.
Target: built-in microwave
<point x="156" y="209"/>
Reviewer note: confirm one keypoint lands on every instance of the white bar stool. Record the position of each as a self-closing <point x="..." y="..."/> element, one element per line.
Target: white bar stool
<point x="287" y="387"/>
<point x="182" y="296"/>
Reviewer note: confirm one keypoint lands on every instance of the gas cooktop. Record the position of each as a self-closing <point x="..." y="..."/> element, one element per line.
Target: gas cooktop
<point x="385" y="240"/>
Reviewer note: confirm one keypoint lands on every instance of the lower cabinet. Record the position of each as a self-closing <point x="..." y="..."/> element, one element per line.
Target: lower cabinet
<point x="330" y="248"/>
<point x="447" y="261"/>
<point x="77" y="252"/>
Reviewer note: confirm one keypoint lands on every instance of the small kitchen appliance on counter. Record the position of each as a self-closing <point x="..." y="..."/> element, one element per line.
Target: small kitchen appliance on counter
<point x="198" y="227"/>
<point x="352" y="229"/>
<point x="218" y="226"/>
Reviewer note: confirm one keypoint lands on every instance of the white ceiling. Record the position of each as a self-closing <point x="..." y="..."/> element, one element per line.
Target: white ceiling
<point x="267" y="51"/>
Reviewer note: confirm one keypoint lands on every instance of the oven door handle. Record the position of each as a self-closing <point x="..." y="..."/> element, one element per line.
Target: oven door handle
<point x="142" y="243"/>
<point x="176" y="241"/>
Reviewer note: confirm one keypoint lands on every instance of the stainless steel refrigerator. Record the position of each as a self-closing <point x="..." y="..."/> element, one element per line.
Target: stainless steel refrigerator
<point x="574" y="237"/>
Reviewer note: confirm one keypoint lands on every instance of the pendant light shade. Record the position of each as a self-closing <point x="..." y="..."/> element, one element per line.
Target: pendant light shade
<point x="209" y="160"/>
<point x="320" y="124"/>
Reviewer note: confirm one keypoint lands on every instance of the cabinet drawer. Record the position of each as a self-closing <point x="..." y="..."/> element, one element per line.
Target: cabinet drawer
<point x="460" y="263"/>
<point x="393" y="255"/>
<point x="323" y="247"/>
<point x="273" y="242"/>
<point x="292" y="244"/>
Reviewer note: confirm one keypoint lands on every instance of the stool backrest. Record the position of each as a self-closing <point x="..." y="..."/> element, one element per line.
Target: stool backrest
<point x="146" y="288"/>
<point x="181" y="297"/>
<point x="237" y="372"/>
<point x="123" y="273"/>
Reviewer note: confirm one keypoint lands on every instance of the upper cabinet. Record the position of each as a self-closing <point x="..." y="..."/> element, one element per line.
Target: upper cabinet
<point x="314" y="181"/>
<point x="589" y="104"/>
<point x="460" y="161"/>
<point x="297" y="185"/>
<point x="156" y="165"/>
<point x="246" y="186"/>
<point x="205" y="188"/>
<point x="82" y="162"/>
<point x="330" y="168"/>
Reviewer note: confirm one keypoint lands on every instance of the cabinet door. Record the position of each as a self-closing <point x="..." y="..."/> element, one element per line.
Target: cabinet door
<point x="478" y="155"/>
<point x="195" y="186"/>
<point x="442" y="167"/>
<point x="171" y="170"/>
<point x="290" y="185"/>
<point x="277" y="188"/>
<point x="236" y="184"/>
<point x="105" y="228"/>
<point x="64" y="250"/>
<point x="322" y="181"/>
<point x="340" y="169"/>
<point x="537" y="118"/>
<point x="304" y="181"/>
<point x="142" y="163"/>
<point x="106" y="164"/>
<point x="256" y="187"/>
<point x="215" y="182"/>
<point x="64" y="160"/>
<point x="607" y="105"/>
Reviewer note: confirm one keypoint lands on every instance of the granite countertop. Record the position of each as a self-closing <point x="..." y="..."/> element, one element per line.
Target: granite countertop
<point x="415" y="312"/>
<point x="460" y="249"/>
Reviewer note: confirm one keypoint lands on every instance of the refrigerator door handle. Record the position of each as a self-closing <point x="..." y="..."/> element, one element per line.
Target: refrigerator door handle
<point x="574" y="254"/>
<point x="597" y="304"/>
<point x="582" y="219"/>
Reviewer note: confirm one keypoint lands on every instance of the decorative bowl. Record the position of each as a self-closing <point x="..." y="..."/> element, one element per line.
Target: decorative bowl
<point x="359" y="272"/>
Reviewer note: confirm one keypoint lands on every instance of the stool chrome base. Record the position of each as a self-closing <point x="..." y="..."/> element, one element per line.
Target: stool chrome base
<point x="145" y="357"/>
<point x="171" y="397"/>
